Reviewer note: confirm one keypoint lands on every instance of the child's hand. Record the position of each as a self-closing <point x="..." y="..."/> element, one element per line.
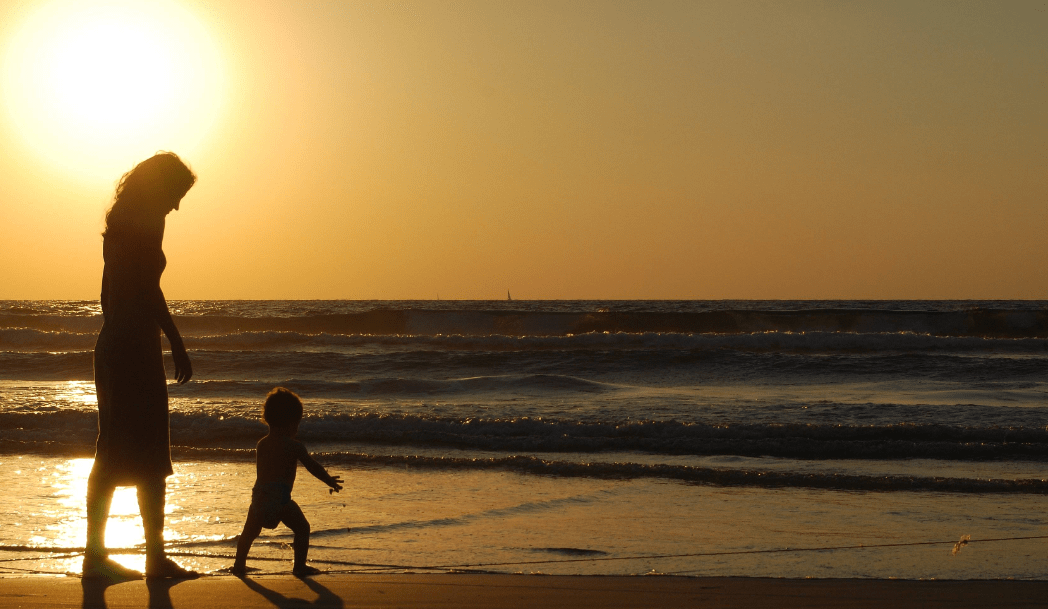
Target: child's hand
<point x="335" y="482"/>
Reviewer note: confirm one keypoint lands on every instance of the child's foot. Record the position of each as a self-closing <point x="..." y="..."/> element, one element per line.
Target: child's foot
<point x="165" y="568"/>
<point x="108" y="569"/>
<point x="237" y="570"/>
<point x="305" y="571"/>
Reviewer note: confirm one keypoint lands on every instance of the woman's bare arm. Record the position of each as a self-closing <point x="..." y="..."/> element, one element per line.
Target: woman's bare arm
<point x="183" y="367"/>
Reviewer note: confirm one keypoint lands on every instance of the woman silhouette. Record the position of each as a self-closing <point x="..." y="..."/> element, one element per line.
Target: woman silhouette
<point x="134" y="446"/>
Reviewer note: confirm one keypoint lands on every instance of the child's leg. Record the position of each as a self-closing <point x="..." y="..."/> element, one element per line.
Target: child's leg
<point x="295" y="520"/>
<point x="252" y="528"/>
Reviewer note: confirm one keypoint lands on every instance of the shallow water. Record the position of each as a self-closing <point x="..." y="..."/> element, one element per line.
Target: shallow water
<point x="410" y="521"/>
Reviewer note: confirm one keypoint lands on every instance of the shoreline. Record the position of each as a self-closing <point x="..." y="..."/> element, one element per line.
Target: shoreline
<point x="469" y="590"/>
<point x="400" y="521"/>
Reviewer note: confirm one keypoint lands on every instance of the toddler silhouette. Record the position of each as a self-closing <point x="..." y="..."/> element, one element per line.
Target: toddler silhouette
<point x="276" y="462"/>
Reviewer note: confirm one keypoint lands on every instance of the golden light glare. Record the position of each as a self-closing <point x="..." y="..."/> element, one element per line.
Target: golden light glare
<point x="81" y="392"/>
<point x="123" y="528"/>
<point x="97" y="86"/>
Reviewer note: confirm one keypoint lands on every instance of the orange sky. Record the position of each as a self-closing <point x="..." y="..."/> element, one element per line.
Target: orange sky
<point x="558" y="150"/>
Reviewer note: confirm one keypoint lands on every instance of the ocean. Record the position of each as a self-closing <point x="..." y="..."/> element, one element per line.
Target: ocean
<point x="750" y="438"/>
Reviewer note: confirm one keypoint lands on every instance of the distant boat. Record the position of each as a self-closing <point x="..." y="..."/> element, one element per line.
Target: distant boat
<point x="508" y="297"/>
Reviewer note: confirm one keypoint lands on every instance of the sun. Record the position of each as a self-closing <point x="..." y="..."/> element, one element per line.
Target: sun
<point x="100" y="85"/>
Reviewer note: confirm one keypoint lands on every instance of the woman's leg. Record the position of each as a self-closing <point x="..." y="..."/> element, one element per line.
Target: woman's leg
<point x="151" y="497"/>
<point x="97" y="564"/>
<point x="99" y="498"/>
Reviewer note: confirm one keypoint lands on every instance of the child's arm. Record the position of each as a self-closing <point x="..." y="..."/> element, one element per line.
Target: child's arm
<point x="335" y="482"/>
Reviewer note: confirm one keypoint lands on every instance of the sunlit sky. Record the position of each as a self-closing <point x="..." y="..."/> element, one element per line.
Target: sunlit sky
<point x="554" y="149"/>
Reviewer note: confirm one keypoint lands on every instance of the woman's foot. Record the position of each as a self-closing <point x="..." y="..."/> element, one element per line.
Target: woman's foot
<point x="305" y="571"/>
<point x="108" y="569"/>
<point x="165" y="568"/>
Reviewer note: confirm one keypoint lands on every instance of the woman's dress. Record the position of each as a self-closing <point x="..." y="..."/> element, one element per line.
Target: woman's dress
<point x="134" y="444"/>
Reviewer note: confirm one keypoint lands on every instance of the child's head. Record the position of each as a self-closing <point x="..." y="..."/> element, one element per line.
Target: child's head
<point x="283" y="409"/>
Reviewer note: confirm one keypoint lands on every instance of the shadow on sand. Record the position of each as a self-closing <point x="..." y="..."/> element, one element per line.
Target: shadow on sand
<point x="159" y="592"/>
<point x="326" y="599"/>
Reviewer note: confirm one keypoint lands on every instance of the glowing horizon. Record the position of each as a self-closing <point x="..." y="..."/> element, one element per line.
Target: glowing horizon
<point x="665" y="150"/>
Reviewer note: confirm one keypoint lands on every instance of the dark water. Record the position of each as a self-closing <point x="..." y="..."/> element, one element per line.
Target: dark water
<point x="810" y="393"/>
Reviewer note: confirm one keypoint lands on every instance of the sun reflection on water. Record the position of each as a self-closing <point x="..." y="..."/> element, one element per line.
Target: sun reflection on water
<point x="43" y="524"/>
<point x="68" y="482"/>
<point x="124" y="538"/>
<point x="78" y="392"/>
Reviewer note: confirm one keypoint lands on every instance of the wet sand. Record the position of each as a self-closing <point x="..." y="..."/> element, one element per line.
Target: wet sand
<point x="504" y="591"/>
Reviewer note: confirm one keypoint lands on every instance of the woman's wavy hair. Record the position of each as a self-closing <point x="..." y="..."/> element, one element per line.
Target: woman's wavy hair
<point x="138" y="189"/>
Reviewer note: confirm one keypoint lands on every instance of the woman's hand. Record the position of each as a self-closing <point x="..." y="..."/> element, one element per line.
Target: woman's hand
<point x="183" y="367"/>
<point x="335" y="482"/>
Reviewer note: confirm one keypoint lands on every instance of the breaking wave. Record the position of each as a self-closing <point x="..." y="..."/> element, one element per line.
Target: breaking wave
<point x="69" y="430"/>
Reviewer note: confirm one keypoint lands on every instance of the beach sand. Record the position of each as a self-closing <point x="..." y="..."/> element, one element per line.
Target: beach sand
<point x="503" y="591"/>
